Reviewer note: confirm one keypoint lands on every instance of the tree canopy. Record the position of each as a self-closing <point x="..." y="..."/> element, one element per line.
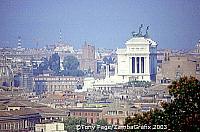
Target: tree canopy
<point x="71" y="122"/>
<point x="102" y="122"/>
<point x="54" y="63"/>
<point x="182" y="114"/>
<point x="70" y="63"/>
<point x="44" y="65"/>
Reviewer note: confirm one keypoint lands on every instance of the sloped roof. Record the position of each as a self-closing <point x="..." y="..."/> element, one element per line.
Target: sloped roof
<point x="17" y="104"/>
<point x="18" y="113"/>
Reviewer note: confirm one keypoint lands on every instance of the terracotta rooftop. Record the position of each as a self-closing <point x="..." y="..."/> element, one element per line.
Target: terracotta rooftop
<point x="18" y="113"/>
<point x="17" y="104"/>
<point x="2" y="97"/>
<point x="86" y="109"/>
<point x="48" y="110"/>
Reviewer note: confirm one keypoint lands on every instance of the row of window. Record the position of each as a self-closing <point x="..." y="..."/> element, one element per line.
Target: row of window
<point x="111" y="121"/>
<point x="16" y="125"/>
<point x="61" y="79"/>
<point x="138" y="49"/>
<point x="85" y="114"/>
<point x="54" y="87"/>
<point x="139" y="67"/>
<point x="115" y="112"/>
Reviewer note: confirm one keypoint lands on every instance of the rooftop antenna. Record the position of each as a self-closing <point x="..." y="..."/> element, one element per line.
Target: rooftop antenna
<point x="36" y="41"/>
<point x="60" y="38"/>
<point x="19" y="44"/>
<point x="85" y="43"/>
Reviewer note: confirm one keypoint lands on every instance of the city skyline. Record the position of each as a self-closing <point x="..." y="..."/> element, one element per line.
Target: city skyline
<point x="108" y="65"/>
<point x="106" y="24"/>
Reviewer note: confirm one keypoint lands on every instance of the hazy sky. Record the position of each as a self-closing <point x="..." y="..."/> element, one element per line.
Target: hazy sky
<point x="103" y="23"/>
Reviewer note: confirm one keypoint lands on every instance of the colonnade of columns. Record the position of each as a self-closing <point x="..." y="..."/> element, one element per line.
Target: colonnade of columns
<point x="138" y="64"/>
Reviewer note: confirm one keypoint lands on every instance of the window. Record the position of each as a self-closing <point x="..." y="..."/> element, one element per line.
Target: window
<point x="92" y="120"/>
<point x="138" y="65"/>
<point x="5" y="126"/>
<point x="9" y="126"/>
<point x="57" y="127"/>
<point x="111" y="120"/>
<point x="120" y="112"/>
<point x="12" y="126"/>
<point x="179" y="66"/>
<point x="133" y="64"/>
<point x="142" y="64"/>
<point x="16" y="126"/>
<point x="118" y="121"/>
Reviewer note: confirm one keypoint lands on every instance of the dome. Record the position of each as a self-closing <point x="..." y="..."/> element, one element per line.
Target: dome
<point x="64" y="48"/>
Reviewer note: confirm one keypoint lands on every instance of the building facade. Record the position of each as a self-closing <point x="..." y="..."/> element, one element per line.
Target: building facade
<point x="50" y="127"/>
<point x="51" y="84"/>
<point x="138" y="61"/>
<point x="175" y="67"/>
<point x="19" y="120"/>
<point x="27" y="78"/>
<point x="6" y="75"/>
<point x="87" y="60"/>
<point x="92" y="115"/>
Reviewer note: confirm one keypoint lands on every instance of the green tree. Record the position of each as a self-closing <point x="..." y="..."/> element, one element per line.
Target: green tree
<point x="102" y="122"/>
<point x="182" y="114"/>
<point x="99" y="123"/>
<point x="70" y="63"/>
<point x="105" y="60"/>
<point x="44" y="65"/>
<point x="54" y="63"/>
<point x="72" y="122"/>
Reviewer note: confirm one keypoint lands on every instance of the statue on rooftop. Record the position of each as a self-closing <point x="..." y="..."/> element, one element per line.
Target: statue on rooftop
<point x="140" y="32"/>
<point x="147" y="34"/>
<point x="134" y="34"/>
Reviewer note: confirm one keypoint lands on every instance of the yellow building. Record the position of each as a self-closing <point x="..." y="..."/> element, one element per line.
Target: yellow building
<point x="175" y="67"/>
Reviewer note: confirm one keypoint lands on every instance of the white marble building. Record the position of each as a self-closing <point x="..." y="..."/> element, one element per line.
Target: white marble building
<point x="138" y="60"/>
